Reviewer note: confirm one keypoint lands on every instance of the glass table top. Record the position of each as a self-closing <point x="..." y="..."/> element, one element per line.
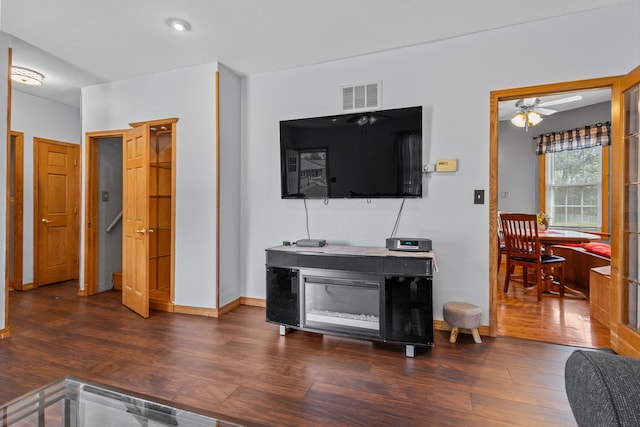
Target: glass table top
<point x="72" y="402"/>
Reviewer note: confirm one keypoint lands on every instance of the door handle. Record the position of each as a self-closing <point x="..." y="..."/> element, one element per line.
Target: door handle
<point x="145" y="231"/>
<point x="47" y="221"/>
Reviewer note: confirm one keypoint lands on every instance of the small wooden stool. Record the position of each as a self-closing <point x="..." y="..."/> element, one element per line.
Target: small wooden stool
<point x="462" y="315"/>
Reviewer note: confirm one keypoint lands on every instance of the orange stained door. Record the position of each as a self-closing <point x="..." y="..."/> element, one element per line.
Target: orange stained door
<point x="135" y="216"/>
<point x="57" y="199"/>
<point x="16" y="210"/>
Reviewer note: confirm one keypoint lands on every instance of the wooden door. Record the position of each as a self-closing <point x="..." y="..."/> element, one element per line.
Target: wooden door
<point x="135" y="216"/>
<point x="16" y="210"/>
<point x="56" y="211"/>
<point x="625" y="207"/>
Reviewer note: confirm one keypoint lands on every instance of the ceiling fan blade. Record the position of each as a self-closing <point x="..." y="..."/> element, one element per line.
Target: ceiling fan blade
<point x="544" y="111"/>
<point x="506" y="108"/>
<point x="573" y="98"/>
<point x="506" y="113"/>
<point x="354" y="118"/>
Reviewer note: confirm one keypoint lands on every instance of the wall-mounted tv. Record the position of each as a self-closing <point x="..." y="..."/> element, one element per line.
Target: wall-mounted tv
<point x="376" y="154"/>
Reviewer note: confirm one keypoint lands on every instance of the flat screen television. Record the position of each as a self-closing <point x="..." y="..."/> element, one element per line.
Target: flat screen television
<point x="361" y="155"/>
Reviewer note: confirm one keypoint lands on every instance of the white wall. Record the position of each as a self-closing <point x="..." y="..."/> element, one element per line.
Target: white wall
<point x="188" y="94"/>
<point x="230" y="172"/>
<point x="518" y="167"/>
<point x="41" y="118"/>
<point x="452" y="79"/>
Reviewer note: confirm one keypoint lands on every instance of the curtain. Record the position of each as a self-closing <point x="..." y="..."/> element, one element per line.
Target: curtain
<point x="408" y="155"/>
<point x="574" y="139"/>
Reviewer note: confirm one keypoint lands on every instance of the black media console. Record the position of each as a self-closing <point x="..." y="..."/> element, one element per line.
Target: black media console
<point x="357" y="292"/>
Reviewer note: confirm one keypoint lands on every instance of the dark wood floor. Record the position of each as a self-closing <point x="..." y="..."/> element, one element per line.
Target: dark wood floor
<point x="239" y="366"/>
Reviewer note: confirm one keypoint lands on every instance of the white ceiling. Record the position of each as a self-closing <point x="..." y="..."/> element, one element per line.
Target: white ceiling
<point x="78" y="43"/>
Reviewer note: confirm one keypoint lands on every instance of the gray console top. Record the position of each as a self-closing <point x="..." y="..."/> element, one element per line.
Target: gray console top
<point x="353" y="258"/>
<point x="353" y="250"/>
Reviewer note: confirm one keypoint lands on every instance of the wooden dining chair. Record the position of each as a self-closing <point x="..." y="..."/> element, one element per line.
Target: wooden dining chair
<point x="523" y="248"/>
<point x="502" y="248"/>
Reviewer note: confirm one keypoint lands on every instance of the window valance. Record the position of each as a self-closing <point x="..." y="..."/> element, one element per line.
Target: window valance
<point x="574" y="139"/>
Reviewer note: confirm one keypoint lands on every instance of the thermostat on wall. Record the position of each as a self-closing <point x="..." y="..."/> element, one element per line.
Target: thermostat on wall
<point x="447" y="165"/>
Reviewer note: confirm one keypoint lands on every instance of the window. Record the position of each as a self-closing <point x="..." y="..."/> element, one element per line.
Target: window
<point x="574" y="177"/>
<point x="574" y="188"/>
<point x="313" y="173"/>
<point x="293" y="164"/>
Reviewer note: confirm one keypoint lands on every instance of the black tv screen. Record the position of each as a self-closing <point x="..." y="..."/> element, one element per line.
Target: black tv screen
<point x="361" y="155"/>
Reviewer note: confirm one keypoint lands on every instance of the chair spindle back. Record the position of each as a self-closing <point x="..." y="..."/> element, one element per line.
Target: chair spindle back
<point x="521" y="235"/>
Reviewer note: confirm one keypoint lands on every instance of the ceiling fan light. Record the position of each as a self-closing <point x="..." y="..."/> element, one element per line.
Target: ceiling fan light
<point x="362" y="120"/>
<point x="26" y="76"/>
<point x="519" y="120"/>
<point x="533" y="118"/>
<point x="372" y="120"/>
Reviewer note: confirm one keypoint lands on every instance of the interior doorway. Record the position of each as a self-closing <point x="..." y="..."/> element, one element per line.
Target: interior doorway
<point x="103" y="207"/>
<point x="495" y="192"/>
<point x="135" y="236"/>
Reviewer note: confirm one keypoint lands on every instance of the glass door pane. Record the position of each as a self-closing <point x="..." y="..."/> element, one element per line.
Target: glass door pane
<point x="631" y="294"/>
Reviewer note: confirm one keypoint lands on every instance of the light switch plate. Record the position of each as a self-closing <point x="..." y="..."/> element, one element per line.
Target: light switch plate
<point x="478" y="197"/>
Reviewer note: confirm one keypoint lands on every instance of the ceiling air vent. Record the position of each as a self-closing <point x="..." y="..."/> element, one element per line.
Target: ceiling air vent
<point x="361" y="96"/>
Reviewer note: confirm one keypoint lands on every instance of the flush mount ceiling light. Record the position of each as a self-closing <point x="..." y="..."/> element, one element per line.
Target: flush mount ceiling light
<point x="26" y="76"/>
<point x="178" y="24"/>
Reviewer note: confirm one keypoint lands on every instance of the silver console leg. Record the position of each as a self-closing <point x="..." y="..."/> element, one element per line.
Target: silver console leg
<point x="283" y="330"/>
<point x="409" y="351"/>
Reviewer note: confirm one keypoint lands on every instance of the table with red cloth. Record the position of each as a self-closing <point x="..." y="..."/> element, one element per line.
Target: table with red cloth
<point x="551" y="237"/>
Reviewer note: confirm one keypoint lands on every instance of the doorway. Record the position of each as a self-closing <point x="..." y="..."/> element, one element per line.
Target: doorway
<point x="496" y="193"/>
<point x="137" y="232"/>
<point x="103" y="207"/>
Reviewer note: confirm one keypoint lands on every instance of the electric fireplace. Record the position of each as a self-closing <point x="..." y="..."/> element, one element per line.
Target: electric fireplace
<point x="341" y="302"/>
<point x="357" y="292"/>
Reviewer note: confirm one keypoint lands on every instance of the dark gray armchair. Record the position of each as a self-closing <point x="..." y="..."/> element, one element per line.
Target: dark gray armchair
<point x="603" y="388"/>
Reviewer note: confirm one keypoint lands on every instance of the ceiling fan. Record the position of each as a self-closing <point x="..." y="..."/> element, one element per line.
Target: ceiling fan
<point x="530" y="110"/>
<point x="365" y="118"/>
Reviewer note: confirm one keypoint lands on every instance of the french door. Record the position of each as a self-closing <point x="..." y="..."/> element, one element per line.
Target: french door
<point x="625" y="257"/>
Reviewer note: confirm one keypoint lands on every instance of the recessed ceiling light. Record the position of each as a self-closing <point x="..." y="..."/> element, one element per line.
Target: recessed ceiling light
<point x="26" y="76"/>
<point x="178" y="24"/>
